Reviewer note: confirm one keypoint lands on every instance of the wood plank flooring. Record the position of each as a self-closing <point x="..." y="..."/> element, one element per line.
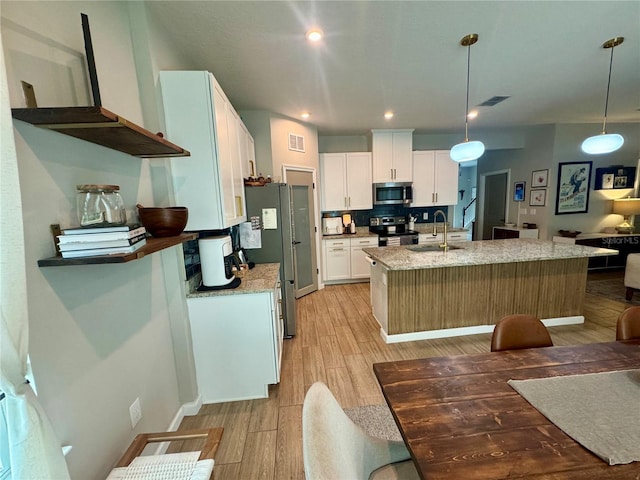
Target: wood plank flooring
<point x="337" y="342"/>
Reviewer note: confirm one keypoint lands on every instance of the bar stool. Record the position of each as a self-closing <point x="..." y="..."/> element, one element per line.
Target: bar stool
<point x="632" y="274"/>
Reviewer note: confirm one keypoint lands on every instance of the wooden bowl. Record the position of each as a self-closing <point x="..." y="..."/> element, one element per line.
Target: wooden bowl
<point x="163" y="222"/>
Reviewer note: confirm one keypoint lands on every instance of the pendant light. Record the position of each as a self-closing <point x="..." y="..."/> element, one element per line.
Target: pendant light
<point x="605" y="142"/>
<point x="467" y="151"/>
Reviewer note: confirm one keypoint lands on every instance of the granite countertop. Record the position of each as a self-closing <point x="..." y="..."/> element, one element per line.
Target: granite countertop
<point x="419" y="227"/>
<point x="428" y="228"/>
<point x="261" y="278"/>
<point x="482" y="253"/>
<point x="360" y="232"/>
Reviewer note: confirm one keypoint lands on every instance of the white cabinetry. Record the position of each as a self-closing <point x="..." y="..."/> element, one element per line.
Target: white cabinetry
<point x="344" y="260"/>
<point x="360" y="267"/>
<point x="457" y="237"/>
<point x="435" y="179"/>
<point x="336" y="259"/>
<point x="427" y="238"/>
<point x="237" y="344"/>
<point x="210" y="183"/>
<point x="346" y="181"/>
<point x="247" y="152"/>
<point x="392" y="156"/>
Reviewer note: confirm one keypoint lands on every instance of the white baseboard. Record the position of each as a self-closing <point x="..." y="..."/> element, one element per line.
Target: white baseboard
<point x="187" y="409"/>
<point x="475" y="330"/>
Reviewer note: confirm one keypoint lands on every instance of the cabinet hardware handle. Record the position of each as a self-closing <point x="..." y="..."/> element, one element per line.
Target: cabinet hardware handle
<point x="338" y="249"/>
<point x="345" y="201"/>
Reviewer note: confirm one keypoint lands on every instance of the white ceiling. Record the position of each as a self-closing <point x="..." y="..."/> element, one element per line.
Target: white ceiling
<point x="406" y="56"/>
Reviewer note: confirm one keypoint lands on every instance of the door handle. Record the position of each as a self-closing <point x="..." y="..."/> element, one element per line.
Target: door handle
<point x="295" y="243"/>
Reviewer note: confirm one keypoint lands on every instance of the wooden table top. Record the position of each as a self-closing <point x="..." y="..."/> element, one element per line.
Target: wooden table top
<point x="461" y="420"/>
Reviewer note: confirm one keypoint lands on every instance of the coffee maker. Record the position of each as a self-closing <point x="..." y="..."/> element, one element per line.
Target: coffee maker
<point x="216" y="259"/>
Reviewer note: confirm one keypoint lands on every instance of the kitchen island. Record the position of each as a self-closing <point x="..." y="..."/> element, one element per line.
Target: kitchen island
<point x="418" y="294"/>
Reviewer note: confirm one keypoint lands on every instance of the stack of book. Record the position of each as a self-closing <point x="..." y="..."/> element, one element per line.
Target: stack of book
<point x="89" y="242"/>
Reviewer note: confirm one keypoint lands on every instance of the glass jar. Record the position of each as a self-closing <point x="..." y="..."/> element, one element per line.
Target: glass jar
<point x="100" y="205"/>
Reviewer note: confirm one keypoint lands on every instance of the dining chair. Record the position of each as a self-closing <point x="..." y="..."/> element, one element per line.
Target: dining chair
<point x="334" y="447"/>
<point x="628" y="325"/>
<point x="515" y="332"/>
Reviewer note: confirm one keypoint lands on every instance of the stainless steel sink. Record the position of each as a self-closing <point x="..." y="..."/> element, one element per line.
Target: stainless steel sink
<point x="431" y="248"/>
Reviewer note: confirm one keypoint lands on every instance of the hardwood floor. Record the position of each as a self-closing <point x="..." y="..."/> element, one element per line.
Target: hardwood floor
<point x="337" y="342"/>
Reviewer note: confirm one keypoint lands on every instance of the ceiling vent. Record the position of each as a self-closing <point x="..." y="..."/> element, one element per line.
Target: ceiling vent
<point x="494" y="100"/>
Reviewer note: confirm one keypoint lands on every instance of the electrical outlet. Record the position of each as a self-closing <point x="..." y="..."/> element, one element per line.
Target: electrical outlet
<point x="135" y="412"/>
<point x="425" y="216"/>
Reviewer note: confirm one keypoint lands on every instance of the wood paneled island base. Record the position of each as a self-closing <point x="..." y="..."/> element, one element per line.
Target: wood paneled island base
<point x="462" y="292"/>
<point x="442" y="298"/>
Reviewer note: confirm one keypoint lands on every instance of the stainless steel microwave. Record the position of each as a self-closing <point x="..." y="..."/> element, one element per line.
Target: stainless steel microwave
<point x="393" y="193"/>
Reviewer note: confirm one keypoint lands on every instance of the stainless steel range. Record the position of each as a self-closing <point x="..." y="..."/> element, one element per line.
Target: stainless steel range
<point x="392" y="231"/>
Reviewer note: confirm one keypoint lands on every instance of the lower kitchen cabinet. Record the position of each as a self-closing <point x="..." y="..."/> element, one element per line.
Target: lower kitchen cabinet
<point x="237" y="344"/>
<point x="501" y="233"/>
<point x="344" y="260"/>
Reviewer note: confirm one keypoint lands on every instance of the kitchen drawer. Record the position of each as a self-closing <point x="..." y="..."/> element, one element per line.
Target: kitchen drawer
<point x="457" y="237"/>
<point x="430" y="238"/>
<point x="364" y="242"/>
<point x="337" y="243"/>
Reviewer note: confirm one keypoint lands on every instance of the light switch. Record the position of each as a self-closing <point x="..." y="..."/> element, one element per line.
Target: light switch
<point x="523" y="211"/>
<point x="533" y="211"/>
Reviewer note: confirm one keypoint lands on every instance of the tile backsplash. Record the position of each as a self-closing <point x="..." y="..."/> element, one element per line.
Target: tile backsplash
<point x="361" y="217"/>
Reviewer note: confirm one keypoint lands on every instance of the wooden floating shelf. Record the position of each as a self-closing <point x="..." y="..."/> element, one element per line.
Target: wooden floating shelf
<point x="100" y="126"/>
<point x="153" y="245"/>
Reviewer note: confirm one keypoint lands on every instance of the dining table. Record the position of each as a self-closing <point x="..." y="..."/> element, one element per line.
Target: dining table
<point x="460" y="418"/>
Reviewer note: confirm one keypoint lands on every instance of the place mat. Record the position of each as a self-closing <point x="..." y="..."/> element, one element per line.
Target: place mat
<point x="601" y="411"/>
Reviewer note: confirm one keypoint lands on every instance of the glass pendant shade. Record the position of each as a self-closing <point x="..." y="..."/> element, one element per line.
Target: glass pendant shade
<point x="467" y="151"/>
<point x="603" y="143"/>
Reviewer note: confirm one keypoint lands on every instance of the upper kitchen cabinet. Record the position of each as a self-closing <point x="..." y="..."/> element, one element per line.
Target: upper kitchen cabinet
<point x="435" y="179"/>
<point x="199" y="114"/>
<point x="247" y="152"/>
<point x="392" y="155"/>
<point x="346" y="181"/>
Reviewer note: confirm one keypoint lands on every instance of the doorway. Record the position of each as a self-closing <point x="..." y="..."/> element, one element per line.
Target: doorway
<point x="303" y="212"/>
<point x="495" y="186"/>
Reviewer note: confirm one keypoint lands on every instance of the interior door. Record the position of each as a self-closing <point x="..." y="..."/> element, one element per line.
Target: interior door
<point x="303" y="225"/>
<point x="495" y="203"/>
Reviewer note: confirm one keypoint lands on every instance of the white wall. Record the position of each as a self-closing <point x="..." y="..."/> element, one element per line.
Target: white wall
<point x="100" y="335"/>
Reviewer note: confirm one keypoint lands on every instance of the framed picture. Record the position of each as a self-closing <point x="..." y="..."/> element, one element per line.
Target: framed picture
<point x="539" y="178"/>
<point x="574" y="179"/>
<point x="613" y="177"/>
<point x="518" y="192"/>
<point x="538" y="198"/>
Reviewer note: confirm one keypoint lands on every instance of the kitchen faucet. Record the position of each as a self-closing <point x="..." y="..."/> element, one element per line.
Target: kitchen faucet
<point x="444" y="244"/>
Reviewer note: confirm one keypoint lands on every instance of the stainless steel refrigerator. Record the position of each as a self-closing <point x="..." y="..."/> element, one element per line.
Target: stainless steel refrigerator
<point x="277" y="244"/>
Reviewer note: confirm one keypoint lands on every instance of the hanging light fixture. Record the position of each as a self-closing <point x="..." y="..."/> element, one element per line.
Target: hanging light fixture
<point x="467" y="151"/>
<point x="605" y="142"/>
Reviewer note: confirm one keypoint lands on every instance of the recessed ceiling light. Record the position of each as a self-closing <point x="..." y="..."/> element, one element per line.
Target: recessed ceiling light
<point x="305" y="115"/>
<point x="388" y="115"/>
<point x="314" y="35"/>
<point x="472" y="114"/>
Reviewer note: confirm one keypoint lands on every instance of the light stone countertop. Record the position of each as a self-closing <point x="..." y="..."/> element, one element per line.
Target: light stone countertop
<point x="261" y="278"/>
<point x="481" y="253"/>
<point x="419" y="227"/>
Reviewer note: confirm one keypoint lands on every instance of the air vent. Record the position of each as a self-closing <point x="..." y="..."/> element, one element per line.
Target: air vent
<point x="296" y="143"/>
<point x="494" y="101"/>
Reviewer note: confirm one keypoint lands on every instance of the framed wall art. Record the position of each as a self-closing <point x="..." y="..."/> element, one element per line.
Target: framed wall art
<point x="574" y="179"/>
<point x="539" y="178"/>
<point x="538" y="198"/>
<point x="518" y="192"/>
